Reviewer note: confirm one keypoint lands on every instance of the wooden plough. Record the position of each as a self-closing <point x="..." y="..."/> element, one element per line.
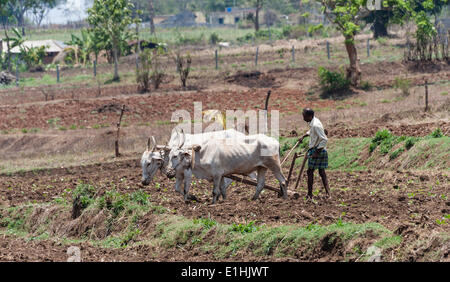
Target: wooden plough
<point x="241" y="179"/>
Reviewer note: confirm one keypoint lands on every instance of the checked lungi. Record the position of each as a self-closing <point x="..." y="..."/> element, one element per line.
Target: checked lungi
<point x="321" y="162"/>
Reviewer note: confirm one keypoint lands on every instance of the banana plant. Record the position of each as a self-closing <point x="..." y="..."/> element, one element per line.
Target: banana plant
<point x="83" y="44"/>
<point x="18" y="40"/>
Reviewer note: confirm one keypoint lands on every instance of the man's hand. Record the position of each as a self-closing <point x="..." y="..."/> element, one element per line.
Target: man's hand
<point x="301" y="138"/>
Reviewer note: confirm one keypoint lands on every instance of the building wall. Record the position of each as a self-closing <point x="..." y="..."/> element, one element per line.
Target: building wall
<point x="200" y="18"/>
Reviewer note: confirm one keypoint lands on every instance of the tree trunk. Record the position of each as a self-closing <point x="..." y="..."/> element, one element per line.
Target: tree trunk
<point x="353" y="71"/>
<point x="8" y="54"/>
<point x="380" y="24"/>
<point x="22" y="23"/>
<point x="152" y="15"/>
<point x="116" y="70"/>
<point x="257" y="19"/>
<point x="21" y="18"/>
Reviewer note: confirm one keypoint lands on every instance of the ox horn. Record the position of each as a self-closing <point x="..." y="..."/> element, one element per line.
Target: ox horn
<point x="148" y="144"/>
<point x="154" y="143"/>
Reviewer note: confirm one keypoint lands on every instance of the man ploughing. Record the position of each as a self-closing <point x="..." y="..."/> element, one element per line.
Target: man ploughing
<point x="317" y="153"/>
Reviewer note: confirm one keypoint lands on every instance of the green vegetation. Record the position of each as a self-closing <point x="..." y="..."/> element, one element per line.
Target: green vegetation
<point x="85" y="193"/>
<point x="437" y="133"/>
<point x="245" y="228"/>
<point x="345" y="153"/>
<point x="110" y="19"/>
<point x="332" y="82"/>
<point x="385" y="139"/>
<point x="396" y="153"/>
<point x="280" y="241"/>
<point x="348" y="153"/>
<point x="150" y="69"/>
<point x="205" y="222"/>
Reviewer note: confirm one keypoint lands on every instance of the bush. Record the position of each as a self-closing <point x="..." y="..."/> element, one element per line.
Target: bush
<point x="409" y="143"/>
<point x="366" y="85"/>
<point x="184" y="40"/>
<point x="244" y="228"/>
<point x="33" y="56"/>
<point x="437" y="133"/>
<point x="332" y="82"/>
<point x="382" y="135"/>
<point x="214" y="38"/>
<point x="183" y="67"/>
<point x="403" y="84"/>
<point x="246" y="38"/>
<point x="85" y="193"/>
<point x="150" y="69"/>
<point x="385" y="139"/>
<point x="286" y="31"/>
<point x="266" y="34"/>
<point x="299" y="31"/>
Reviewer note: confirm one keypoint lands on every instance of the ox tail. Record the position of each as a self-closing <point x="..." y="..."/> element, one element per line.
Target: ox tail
<point x="193" y="158"/>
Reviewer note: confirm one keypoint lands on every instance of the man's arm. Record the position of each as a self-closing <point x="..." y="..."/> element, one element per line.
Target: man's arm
<point x="304" y="136"/>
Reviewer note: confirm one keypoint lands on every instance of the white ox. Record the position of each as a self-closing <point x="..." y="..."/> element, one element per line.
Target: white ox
<point x="215" y="159"/>
<point x="157" y="157"/>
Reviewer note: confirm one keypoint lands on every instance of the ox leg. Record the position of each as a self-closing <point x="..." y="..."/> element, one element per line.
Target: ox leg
<point x="216" y="191"/>
<point x="261" y="181"/>
<point x="280" y="177"/>
<point x="187" y="184"/>
<point x="178" y="185"/>
<point x="224" y="185"/>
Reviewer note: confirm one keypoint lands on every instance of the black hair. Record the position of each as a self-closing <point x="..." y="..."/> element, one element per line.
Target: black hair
<point x="308" y="112"/>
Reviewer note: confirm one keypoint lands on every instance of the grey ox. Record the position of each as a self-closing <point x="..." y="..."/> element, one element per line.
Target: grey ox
<point x="156" y="157"/>
<point x="215" y="159"/>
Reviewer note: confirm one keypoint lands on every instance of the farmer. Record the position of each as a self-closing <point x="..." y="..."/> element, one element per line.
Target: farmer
<point x="317" y="153"/>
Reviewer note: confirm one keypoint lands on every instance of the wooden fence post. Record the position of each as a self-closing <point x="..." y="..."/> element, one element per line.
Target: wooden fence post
<point x="116" y="143"/>
<point x="95" y="68"/>
<point x="256" y="57"/>
<point x="426" y="95"/>
<point x="368" y="47"/>
<point x="217" y="59"/>
<point x="17" y="73"/>
<point x="293" y="54"/>
<point x="57" y="73"/>
<point x="328" y="50"/>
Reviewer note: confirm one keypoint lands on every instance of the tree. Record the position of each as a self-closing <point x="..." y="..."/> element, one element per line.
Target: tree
<point x="393" y="12"/>
<point x="426" y="34"/>
<point x="151" y="10"/>
<point x="39" y="9"/>
<point x="380" y="21"/>
<point x="113" y="18"/>
<point x="346" y="15"/>
<point x="11" y="42"/>
<point x="258" y="5"/>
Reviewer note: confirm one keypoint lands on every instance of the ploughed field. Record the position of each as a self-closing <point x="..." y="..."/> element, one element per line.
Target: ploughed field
<point x="411" y="204"/>
<point x="390" y="198"/>
<point x="56" y="143"/>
